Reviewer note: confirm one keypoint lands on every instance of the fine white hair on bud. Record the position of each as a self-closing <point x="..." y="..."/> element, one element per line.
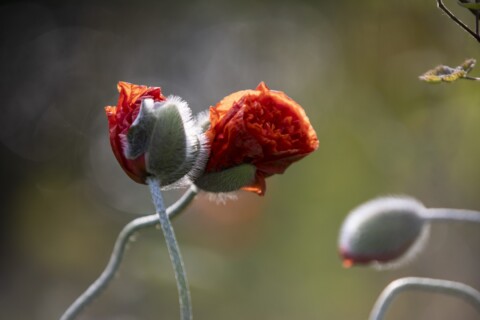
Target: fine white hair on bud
<point x="222" y="197"/>
<point x="384" y="232"/>
<point x="203" y="120"/>
<point x="200" y="147"/>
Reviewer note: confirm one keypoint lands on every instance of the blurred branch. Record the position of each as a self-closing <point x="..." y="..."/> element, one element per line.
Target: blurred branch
<point x="443" y="73"/>
<point x="453" y="288"/>
<point x="119" y="250"/>
<point x="442" y="7"/>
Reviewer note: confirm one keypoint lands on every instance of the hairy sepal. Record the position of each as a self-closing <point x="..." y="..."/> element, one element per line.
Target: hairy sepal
<point x="227" y="180"/>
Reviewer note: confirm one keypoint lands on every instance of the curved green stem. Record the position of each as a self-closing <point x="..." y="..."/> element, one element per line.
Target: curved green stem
<point x="453" y="288"/>
<point x="97" y="287"/>
<point x="173" y="250"/>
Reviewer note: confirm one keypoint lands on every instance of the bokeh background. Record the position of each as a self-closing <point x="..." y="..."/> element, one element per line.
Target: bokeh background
<point x="353" y="65"/>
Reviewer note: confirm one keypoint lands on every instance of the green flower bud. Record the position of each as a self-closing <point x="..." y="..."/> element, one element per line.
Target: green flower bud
<point x="177" y="148"/>
<point x="383" y="231"/>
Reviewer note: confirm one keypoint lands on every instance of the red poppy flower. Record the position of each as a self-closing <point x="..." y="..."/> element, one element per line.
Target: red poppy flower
<point x="121" y="117"/>
<point x="262" y="127"/>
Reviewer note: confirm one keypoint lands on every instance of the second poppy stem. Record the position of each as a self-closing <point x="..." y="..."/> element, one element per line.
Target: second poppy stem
<point x="453" y="288"/>
<point x="173" y="250"/>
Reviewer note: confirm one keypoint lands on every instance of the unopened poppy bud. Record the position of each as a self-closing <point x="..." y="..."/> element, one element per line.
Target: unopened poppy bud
<point x="156" y="136"/>
<point x="176" y="147"/>
<point x="384" y="231"/>
<point x="228" y="180"/>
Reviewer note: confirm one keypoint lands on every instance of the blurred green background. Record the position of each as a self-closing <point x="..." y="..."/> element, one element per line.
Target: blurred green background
<point x="353" y="65"/>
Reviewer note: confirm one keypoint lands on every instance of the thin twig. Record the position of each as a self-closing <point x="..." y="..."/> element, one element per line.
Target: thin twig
<point x="442" y="7"/>
<point x="453" y="288"/>
<point x="471" y="78"/>
<point x="173" y="250"/>
<point x="97" y="287"/>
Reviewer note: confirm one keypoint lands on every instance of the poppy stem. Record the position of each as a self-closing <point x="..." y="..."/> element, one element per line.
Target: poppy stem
<point x="448" y="215"/>
<point x="173" y="250"/>
<point x="452" y="288"/>
<point x="97" y="287"/>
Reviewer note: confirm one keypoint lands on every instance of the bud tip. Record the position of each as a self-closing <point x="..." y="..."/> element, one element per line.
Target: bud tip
<point x="347" y="263"/>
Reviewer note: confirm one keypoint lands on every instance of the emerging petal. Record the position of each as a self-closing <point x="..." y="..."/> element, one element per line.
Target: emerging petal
<point x="120" y="119"/>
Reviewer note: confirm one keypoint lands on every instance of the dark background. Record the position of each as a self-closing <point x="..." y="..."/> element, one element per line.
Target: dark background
<point x="353" y="65"/>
